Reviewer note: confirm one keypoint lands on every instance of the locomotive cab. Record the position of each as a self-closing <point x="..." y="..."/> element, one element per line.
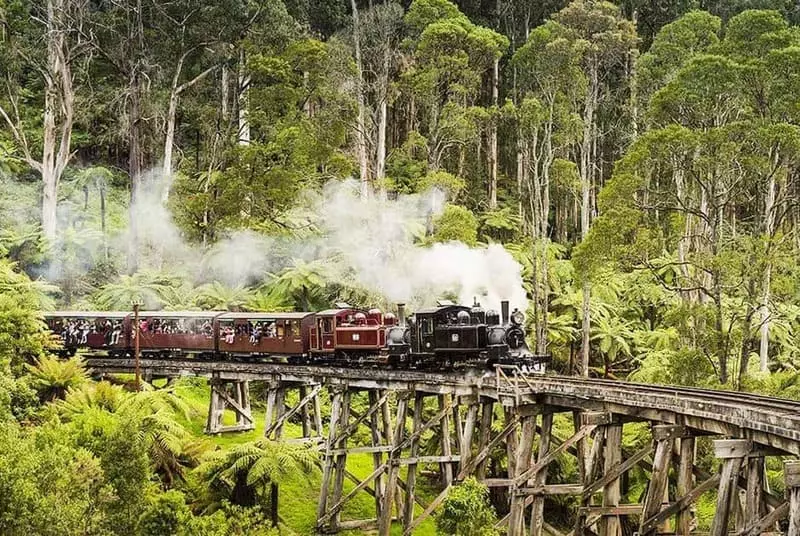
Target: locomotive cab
<point x="448" y="334"/>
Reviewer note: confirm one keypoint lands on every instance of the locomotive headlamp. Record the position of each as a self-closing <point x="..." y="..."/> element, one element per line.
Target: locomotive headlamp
<point x="517" y="317"/>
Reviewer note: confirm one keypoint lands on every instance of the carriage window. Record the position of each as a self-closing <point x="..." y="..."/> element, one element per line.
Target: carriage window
<point x="280" y="330"/>
<point x="268" y="328"/>
<point x="295" y="327"/>
<point x="326" y="325"/>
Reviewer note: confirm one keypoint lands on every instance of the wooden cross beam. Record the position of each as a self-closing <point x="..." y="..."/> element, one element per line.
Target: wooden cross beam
<point x="466" y="469"/>
<point x="553" y="454"/>
<point x="681" y="504"/>
<point x="352" y="427"/>
<point x="340" y="504"/>
<point x="424" y="428"/>
<point x="292" y="412"/>
<point x="769" y="520"/>
<point x="617" y="471"/>
<point x="233" y="403"/>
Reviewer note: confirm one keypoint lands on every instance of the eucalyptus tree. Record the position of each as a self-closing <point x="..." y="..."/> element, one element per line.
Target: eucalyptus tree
<point x="550" y="81"/>
<point x="607" y="41"/>
<point x="711" y="179"/>
<point x="43" y="59"/>
<point x="449" y="58"/>
<point x="376" y="35"/>
<point x="753" y="39"/>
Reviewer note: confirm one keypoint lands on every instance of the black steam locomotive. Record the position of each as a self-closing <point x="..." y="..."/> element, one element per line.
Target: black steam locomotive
<point x="451" y="335"/>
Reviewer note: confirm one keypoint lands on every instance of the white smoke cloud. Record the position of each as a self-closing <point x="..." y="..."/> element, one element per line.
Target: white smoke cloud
<point x="374" y="240"/>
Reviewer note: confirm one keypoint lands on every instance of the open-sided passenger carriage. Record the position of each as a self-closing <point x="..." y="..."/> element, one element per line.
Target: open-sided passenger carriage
<point x="265" y="334"/>
<point x="177" y="333"/>
<point x="106" y="331"/>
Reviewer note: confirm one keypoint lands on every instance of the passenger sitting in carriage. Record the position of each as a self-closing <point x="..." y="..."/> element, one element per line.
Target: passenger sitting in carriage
<point x="117" y="332"/>
<point x="228" y="334"/>
<point x="255" y="335"/>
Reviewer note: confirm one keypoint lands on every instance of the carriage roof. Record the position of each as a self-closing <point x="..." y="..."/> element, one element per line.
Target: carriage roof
<point x="180" y="314"/>
<point x="85" y="314"/>
<point x="337" y="312"/>
<point x="266" y="316"/>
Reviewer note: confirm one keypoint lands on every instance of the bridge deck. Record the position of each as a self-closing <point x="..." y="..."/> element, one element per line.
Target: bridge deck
<point x="769" y="421"/>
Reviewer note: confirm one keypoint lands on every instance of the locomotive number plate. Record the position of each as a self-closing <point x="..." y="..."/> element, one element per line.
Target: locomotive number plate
<point x="454" y="337"/>
<point x="356" y="336"/>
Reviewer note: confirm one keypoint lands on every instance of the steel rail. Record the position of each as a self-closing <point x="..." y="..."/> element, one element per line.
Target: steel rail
<point x="774" y="406"/>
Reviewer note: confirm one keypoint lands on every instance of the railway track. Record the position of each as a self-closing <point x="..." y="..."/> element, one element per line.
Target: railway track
<point x="773" y="404"/>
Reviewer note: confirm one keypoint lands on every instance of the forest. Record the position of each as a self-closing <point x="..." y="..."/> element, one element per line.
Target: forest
<point x="629" y="172"/>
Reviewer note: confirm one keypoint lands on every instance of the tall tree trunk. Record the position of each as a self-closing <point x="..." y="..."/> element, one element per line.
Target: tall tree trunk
<point x="361" y="130"/>
<point x="224" y="94"/>
<point x="135" y="168"/>
<point x="493" y="138"/>
<point x="243" y="101"/>
<point x="103" y="220"/>
<point x="172" y="111"/>
<point x="769" y="229"/>
<point x="58" y="107"/>
<point x="169" y="141"/>
<point x="383" y="120"/>
<point x="135" y="149"/>
<point x="587" y="164"/>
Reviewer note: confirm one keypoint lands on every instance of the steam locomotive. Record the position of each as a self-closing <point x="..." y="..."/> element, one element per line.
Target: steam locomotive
<point x="441" y="337"/>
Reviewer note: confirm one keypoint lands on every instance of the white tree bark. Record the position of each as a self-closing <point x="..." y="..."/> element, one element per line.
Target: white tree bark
<point x="769" y="229"/>
<point x="361" y="133"/>
<point x="172" y="110"/>
<point x="243" y="90"/>
<point x="383" y="121"/>
<point x="493" y="139"/>
<point x="59" y="100"/>
<point x="587" y="163"/>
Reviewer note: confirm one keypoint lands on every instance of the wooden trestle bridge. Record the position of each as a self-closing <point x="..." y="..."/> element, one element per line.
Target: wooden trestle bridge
<point x="744" y="429"/>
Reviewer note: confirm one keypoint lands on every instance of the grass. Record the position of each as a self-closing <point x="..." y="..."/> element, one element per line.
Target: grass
<point x="299" y="493"/>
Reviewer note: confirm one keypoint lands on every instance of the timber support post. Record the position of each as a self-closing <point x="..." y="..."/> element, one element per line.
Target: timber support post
<point x="229" y="394"/>
<point x="385" y="520"/>
<point x="732" y="452"/>
<point x="524" y="454"/>
<point x="791" y="472"/>
<point x="612" y="456"/>
<point x="664" y="437"/>
<point x="537" y="511"/>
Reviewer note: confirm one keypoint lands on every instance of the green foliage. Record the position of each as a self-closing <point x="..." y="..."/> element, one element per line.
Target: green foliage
<point x="456" y="223"/>
<point x="49" y="486"/>
<point x="53" y="377"/>
<point x="466" y="511"/>
<point x="216" y="296"/>
<point x="22" y="335"/>
<point x="243" y="472"/>
<point x="168" y="515"/>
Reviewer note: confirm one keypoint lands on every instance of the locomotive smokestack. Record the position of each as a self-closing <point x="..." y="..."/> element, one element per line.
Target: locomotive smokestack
<point x="401" y="314"/>
<point x="504" y="311"/>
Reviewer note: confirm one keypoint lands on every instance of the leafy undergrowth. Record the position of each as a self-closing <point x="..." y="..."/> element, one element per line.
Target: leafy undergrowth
<point x="299" y="493"/>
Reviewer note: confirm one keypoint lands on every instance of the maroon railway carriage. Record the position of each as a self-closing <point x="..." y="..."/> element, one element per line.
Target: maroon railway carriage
<point x="172" y="333"/>
<point x="347" y="332"/>
<point x="265" y="334"/>
<point x="107" y="331"/>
